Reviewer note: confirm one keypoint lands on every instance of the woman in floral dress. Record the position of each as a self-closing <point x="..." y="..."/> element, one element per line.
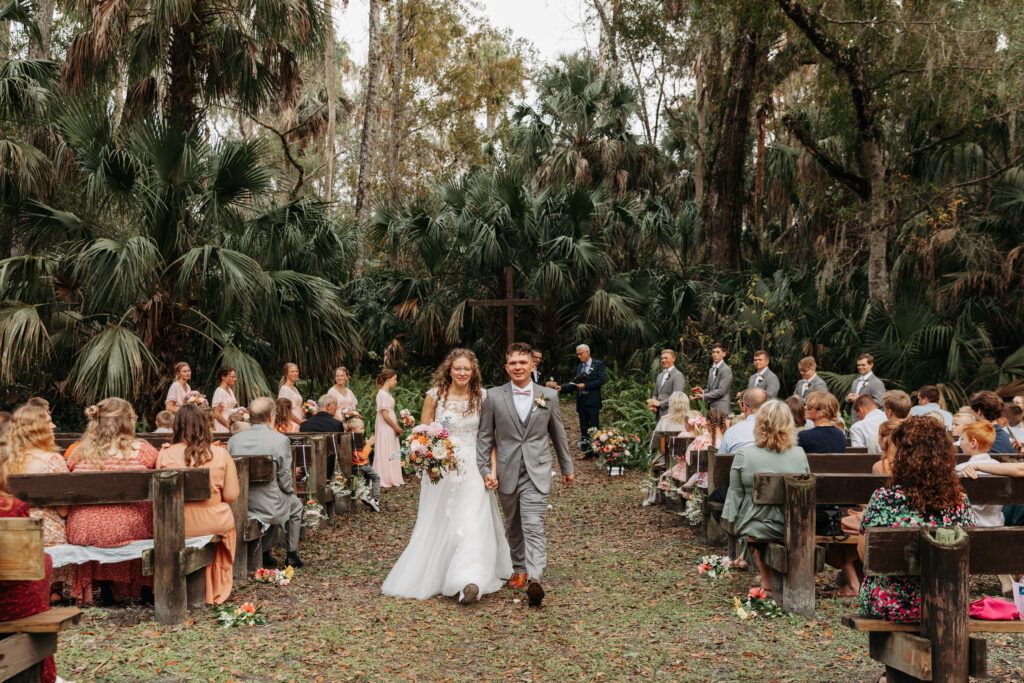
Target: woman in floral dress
<point x="924" y="491"/>
<point x="109" y="445"/>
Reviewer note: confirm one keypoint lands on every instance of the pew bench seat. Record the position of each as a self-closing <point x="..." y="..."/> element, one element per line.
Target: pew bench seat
<point x="859" y="622"/>
<point x="53" y="620"/>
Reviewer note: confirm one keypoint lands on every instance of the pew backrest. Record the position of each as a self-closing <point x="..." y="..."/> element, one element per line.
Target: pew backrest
<point x="91" y="488"/>
<point x="894" y="551"/>
<point x="21" y="549"/>
<point x="856" y="489"/>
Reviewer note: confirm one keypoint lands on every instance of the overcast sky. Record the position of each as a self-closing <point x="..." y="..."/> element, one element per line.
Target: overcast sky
<point x="553" y="26"/>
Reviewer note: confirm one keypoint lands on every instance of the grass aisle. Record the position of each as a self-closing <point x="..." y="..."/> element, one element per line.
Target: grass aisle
<point x="624" y="602"/>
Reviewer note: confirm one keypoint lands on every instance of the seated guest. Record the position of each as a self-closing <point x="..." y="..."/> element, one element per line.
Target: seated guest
<point x="961" y="419"/>
<point x="361" y="458"/>
<point x="238" y="425"/>
<point x="109" y="445"/>
<point x="924" y="491"/>
<point x="1011" y="422"/>
<point x="273" y="502"/>
<point x="677" y="406"/>
<point x="988" y="406"/>
<point x="896" y="404"/>
<point x="928" y="401"/>
<point x="21" y="599"/>
<point x="796" y="406"/>
<point x="164" y="421"/>
<point x="885" y="432"/>
<point x="324" y="422"/>
<point x="774" y="450"/>
<point x="864" y="432"/>
<point x="5" y="420"/>
<point x="822" y="409"/>
<point x="977" y="439"/>
<point x="192" y="447"/>
<point x="742" y="433"/>
<point x="707" y="432"/>
<point x="283" y="422"/>
<point x="33" y="450"/>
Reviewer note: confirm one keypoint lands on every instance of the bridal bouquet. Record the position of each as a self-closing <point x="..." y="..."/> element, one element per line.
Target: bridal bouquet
<point x="429" y="451"/>
<point x="406" y="419"/>
<point x="309" y="409"/>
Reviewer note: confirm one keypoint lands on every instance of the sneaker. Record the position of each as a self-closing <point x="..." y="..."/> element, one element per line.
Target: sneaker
<point x="293" y="560"/>
<point x="373" y="502"/>
<point x="367" y="501"/>
<point x="268" y="561"/>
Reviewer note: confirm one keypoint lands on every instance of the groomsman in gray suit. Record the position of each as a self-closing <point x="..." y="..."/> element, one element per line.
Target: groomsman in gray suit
<point x="764" y="378"/>
<point x="810" y="382"/>
<point x="866" y="384"/>
<point x="668" y="381"/>
<point x="716" y="394"/>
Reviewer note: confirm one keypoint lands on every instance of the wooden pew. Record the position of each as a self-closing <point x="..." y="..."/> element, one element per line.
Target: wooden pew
<point x="178" y="576"/>
<point x="939" y="648"/>
<point x="794" y="559"/>
<point x="311" y="451"/>
<point x="26" y="642"/>
<point x="252" y="469"/>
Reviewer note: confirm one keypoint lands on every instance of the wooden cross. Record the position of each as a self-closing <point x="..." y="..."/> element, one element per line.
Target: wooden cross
<point x="509" y="302"/>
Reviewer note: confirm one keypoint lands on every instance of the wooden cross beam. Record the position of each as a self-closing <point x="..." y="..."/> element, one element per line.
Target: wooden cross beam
<point x="509" y="302"/>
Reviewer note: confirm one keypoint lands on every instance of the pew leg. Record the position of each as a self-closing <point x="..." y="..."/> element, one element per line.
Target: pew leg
<point x="896" y="676"/>
<point x="254" y="555"/>
<point x="196" y="587"/>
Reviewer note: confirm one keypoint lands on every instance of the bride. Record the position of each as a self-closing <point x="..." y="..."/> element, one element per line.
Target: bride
<point x="458" y="545"/>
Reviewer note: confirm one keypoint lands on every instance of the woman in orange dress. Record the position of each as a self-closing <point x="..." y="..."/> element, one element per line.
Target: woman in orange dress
<point x="109" y="445"/>
<point x="191" y="447"/>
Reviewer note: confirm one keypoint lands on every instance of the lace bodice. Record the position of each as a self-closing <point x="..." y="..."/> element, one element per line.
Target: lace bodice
<point x="461" y="426"/>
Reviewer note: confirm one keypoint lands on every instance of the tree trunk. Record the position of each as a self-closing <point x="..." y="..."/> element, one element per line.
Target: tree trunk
<point x="878" y="232"/>
<point x="43" y="16"/>
<point x="606" y="11"/>
<point x="724" y="211"/>
<point x="702" y="131"/>
<point x="395" y="119"/>
<point x="329" y="87"/>
<point x="180" y="105"/>
<point x="366" y="141"/>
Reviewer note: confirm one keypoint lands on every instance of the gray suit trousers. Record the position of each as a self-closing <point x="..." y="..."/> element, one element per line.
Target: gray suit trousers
<point x="524" y="511"/>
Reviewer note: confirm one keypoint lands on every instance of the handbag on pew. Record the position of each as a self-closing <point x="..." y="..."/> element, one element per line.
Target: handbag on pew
<point x="828" y="521"/>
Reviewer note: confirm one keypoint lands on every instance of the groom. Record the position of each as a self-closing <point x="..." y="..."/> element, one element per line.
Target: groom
<point x="518" y="418"/>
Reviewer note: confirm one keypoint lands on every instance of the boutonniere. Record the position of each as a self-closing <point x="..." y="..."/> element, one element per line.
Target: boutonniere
<point x="541" y="402"/>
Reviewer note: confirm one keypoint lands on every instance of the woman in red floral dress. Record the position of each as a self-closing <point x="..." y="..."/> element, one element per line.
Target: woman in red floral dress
<point x="109" y="445"/>
<point x="20" y="599"/>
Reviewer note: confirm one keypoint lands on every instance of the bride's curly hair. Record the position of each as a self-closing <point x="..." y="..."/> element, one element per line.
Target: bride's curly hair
<point x="443" y="379"/>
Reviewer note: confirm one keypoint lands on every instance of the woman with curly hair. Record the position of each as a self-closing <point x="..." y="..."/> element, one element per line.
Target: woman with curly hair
<point x="924" y="491"/>
<point x="34" y="451"/>
<point x="192" y="446"/>
<point x="774" y="450"/>
<point x="283" y="423"/>
<point x="109" y="445"/>
<point x="458" y="545"/>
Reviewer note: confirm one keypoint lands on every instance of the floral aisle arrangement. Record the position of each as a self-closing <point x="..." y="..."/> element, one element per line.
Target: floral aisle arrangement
<point x="714" y="566"/>
<point x="338" y="486"/>
<point x="309" y="409"/>
<point x="429" y="452"/>
<point x="406" y="419"/>
<point x="248" y="614"/>
<point x="312" y="514"/>
<point x="693" y="512"/>
<point x="278" y="577"/>
<point x="613" y="447"/>
<point x="759" y="604"/>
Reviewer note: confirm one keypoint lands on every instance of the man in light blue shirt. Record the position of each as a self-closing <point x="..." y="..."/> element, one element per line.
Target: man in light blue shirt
<point x="928" y="402"/>
<point x="742" y="434"/>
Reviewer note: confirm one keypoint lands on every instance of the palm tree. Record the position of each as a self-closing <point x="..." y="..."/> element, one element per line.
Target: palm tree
<point x="173" y="250"/>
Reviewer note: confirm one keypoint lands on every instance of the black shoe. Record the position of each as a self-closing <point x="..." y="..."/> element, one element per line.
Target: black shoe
<point x="535" y="593"/>
<point x="293" y="560"/>
<point x="147" y="595"/>
<point x="268" y="561"/>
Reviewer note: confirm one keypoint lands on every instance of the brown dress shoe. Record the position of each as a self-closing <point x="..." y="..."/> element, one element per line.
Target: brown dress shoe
<point x="517" y="580"/>
<point x="535" y="593"/>
<point x="469" y="594"/>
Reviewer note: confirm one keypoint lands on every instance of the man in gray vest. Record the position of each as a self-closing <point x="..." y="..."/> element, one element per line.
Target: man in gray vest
<point x="763" y="378"/>
<point x="810" y="382"/>
<point x="716" y="394"/>
<point x="865" y="385"/>
<point x="668" y="381"/>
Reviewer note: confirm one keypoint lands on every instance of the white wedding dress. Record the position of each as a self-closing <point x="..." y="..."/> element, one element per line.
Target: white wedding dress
<point x="459" y="537"/>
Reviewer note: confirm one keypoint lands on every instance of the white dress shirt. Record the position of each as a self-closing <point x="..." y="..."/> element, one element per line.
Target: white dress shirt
<point x="522" y="398"/>
<point x="984" y="515"/>
<point x="664" y="377"/>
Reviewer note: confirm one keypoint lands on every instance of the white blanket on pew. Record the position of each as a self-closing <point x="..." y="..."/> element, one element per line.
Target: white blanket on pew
<point x="62" y="555"/>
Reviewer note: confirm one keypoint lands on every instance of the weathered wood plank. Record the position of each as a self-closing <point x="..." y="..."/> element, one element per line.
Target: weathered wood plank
<point x="170" y="597"/>
<point x="798" y="581"/>
<point x="21" y="549"/>
<point x="195" y="559"/>
<point x="53" y="620"/>
<point x="945" y="595"/>
<point x="906" y="652"/>
<point x="870" y="624"/>
<point x="886" y="551"/>
<point x="856" y="489"/>
<point x="261" y="468"/>
<point x="22" y="651"/>
<point x="90" y="488"/>
<point x="240" y="511"/>
<point x="977" y="653"/>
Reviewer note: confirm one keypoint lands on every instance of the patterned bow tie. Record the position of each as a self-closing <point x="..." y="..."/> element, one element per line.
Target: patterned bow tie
<point x="521" y="392"/>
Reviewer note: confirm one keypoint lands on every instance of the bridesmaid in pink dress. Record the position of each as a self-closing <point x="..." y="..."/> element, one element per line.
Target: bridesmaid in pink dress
<point x="341" y="393"/>
<point x="290" y="375"/>
<point x="386" y="461"/>
<point x="179" y="387"/>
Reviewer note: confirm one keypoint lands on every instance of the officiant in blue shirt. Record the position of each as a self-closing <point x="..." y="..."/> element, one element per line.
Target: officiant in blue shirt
<point x="587" y="384"/>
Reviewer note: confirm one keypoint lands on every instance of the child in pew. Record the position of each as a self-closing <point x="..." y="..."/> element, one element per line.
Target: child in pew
<point x="353" y="422"/>
<point x="164" y="420"/>
<point x="977" y="438"/>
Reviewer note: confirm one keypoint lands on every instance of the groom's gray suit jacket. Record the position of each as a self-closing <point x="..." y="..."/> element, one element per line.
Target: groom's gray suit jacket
<point x="519" y="442"/>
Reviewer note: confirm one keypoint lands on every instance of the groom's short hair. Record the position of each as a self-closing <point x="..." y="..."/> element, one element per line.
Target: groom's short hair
<point x="518" y="347"/>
